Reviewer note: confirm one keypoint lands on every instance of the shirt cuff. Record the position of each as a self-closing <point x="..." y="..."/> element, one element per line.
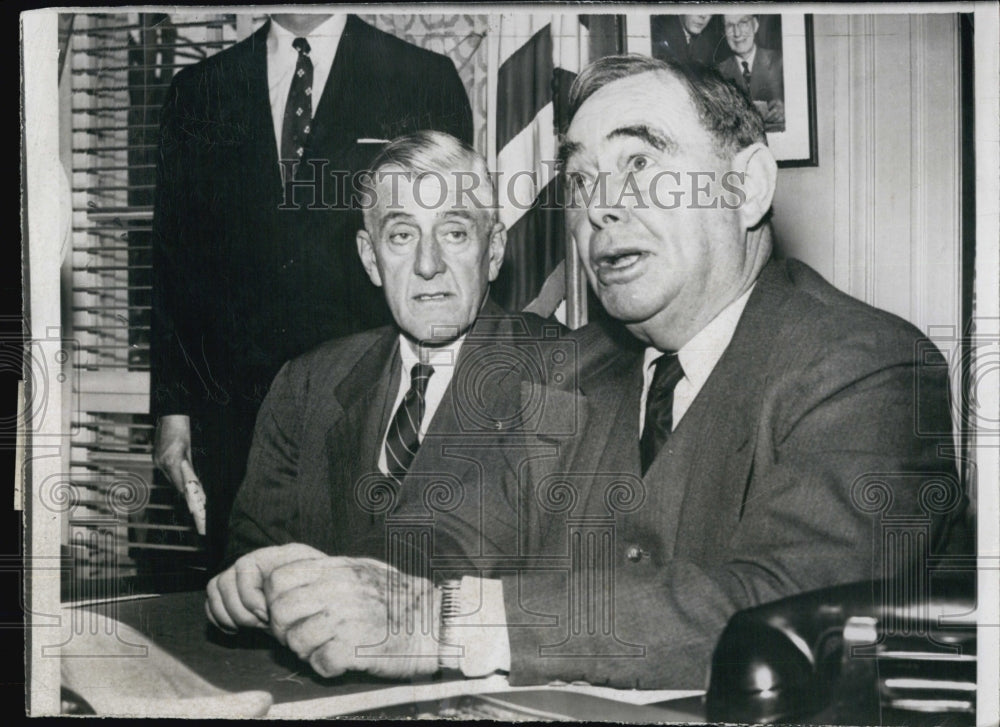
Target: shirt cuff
<point x="474" y="628"/>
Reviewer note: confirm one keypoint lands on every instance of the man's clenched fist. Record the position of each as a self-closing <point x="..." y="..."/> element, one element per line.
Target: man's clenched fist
<point x="235" y="597"/>
<point x="342" y="614"/>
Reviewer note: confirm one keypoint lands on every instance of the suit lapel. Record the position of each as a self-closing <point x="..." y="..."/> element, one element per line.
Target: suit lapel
<point x="761" y="68"/>
<point x="354" y="439"/>
<point x="708" y="458"/>
<point x="258" y="105"/>
<point x="464" y="411"/>
<point x="340" y="109"/>
<point x="612" y="389"/>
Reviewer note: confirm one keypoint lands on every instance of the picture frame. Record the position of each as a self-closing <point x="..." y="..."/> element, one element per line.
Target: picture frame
<point x="782" y="79"/>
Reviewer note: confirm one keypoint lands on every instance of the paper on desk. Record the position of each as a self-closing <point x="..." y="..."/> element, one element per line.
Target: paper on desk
<point x="407" y="693"/>
<point x="96" y="665"/>
<point x="194" y="493"/>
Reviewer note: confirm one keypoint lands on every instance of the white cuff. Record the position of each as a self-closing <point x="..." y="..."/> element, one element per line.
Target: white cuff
<point x="474" y="627"/>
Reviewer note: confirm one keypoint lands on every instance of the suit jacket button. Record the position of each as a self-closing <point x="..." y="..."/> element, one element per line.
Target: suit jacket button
<point x="634" y="553"/>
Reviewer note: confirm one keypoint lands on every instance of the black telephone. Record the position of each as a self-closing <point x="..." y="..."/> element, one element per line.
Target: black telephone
<point x="883" y="652"/>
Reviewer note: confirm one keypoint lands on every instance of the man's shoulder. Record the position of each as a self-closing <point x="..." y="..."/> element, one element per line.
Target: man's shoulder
<point x="331" y="361"/>
<point x="814" y="314"/>
<point x="396" y="53"/>
<point x="222" y="65"/>
<point x="601" y="346"/>
<point x="497" y="322"/>
<point x="727" y="67"/>
<point x="768" y="57"/>
<point x="345" y="348"/>
<point x="728" y="62"/>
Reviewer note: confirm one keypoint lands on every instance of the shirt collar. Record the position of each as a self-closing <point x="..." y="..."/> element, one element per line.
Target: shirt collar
<point x="750" y="58"/>
<point x="699" y="355"/>
<point x="323" y="39"/>
<point x="437" y="356"/>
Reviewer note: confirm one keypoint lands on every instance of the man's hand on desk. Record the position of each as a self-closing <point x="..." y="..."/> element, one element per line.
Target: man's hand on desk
<point x="358" y="614"/>
<point x="235" y="597"/>
<point x="355" y="614"/>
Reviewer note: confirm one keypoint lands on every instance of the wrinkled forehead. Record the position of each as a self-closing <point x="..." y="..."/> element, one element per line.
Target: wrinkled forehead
<point x="432" y="193"/>
<point x="655" y="102"/>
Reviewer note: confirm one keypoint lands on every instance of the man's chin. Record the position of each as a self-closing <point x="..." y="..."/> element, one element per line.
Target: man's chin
<point x="627" y="311"/>
<point x="437" y="334"/>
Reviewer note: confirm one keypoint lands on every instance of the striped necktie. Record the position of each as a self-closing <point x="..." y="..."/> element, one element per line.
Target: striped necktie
<point x="403" y="439"/>
<point x="659" y="407"/>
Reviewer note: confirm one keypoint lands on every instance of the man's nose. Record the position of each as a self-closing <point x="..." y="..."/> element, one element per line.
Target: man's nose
<point x="608" y="206"/>
<point x="429" y="261"/>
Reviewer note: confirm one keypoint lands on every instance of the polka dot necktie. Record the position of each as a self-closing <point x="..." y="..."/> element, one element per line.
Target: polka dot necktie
<point x="746" y="75"/>
<point x="403" y="439"/>
<point x="298" y="110"/>
<point x="659" y="407"/>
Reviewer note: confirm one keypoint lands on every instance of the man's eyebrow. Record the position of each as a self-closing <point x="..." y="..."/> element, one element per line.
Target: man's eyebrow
<point x="392" y="216"/>
<point x="640" y="131"/>
<point x="566" y="150"/>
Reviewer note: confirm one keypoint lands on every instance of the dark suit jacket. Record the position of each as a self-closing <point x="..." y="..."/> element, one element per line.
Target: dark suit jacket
<point x="768" y="486"/>
<point x="242" y="285"/>
<point x="313" y="471"/>
<point x="767" y="80"/>
<point x="669" y="41"/>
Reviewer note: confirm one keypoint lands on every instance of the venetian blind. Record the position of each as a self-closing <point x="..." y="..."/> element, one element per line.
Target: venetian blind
<point x="121" y="520"/>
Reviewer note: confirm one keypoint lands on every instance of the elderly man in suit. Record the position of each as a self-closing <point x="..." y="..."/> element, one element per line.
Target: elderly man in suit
<point x="253" y="252"/>
<point x="758" y="71"/>
<point x="365" y="435"/>
<point x="743" y="436"/>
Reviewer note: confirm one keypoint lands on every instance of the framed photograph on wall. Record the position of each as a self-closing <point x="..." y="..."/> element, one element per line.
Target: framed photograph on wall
<point x="770" y="57"/>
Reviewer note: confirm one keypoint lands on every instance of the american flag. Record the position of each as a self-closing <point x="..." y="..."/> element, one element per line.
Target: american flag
<point x="538" y="56"/>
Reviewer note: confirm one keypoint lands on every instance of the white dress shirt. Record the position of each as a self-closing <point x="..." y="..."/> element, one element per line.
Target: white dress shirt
<point x="282" y="58"/>
<point x="698" y="358"/>
<point x="443" y="359"/>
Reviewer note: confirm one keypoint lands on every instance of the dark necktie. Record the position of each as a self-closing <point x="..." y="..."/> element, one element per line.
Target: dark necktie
<point x="746" y="75"/>
<point x="298" y="110"/>
<point x="659" y="407"/>
<point x="402" y="439"/>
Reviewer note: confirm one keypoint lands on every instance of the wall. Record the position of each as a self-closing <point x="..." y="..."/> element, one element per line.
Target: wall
<point x="880" y="216"/>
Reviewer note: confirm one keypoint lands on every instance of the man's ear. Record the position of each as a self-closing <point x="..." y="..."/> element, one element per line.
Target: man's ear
<point x="366" y="250"/>
<point x="498" y="244"/>
<point x="760" y="176"/>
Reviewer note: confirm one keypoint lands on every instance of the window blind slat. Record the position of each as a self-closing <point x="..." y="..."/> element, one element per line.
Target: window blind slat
<point x="120" y="68"/>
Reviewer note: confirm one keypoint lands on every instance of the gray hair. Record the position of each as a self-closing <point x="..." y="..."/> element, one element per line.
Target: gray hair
<point x="434" y="153"/>
<point x="724" y="110"/>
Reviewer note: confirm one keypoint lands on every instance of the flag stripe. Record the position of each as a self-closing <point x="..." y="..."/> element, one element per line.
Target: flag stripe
<point x="524" y="85"/>
<point x="528" y="262"/>
<point x="525" y="155"/>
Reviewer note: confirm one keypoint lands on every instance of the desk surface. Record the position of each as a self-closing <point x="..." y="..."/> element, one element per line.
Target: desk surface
<point x="253" y="660"/>
<point x="249" y="660"/>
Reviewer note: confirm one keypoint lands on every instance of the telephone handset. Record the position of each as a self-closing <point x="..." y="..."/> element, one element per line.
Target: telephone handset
<point x="883" y="652"/>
